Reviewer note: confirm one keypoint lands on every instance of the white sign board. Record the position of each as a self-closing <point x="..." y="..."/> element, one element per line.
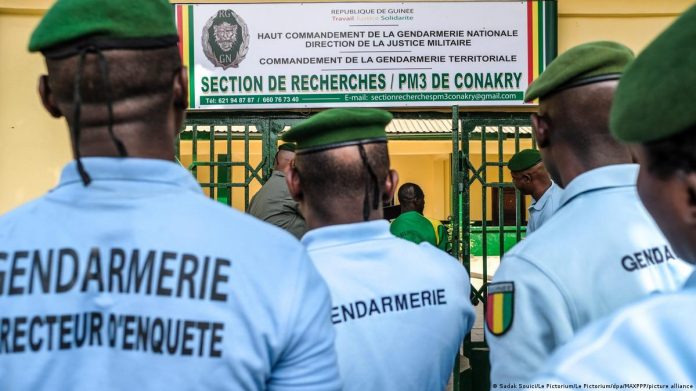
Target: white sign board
<point x="302" y="55"/>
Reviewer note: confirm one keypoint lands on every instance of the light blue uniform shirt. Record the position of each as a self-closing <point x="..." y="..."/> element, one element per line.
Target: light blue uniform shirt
<point x="401" y="310"/>
<point x="542" y="209"/>
<point x="600" y="252"/>
<point x="140" y="282"/>
<point x="650" y="342"/>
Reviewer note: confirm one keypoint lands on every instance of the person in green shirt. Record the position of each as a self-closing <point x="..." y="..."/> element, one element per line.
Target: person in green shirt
<point x="412" y="225"/>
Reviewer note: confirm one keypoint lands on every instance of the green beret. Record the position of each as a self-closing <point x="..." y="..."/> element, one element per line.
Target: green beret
<point x="287" y="147"/>
<point x="524" y="159"/>
<point x="335" y="128"/>
<point x="111" y="24"/>
<point x="656" y="98"/>
<point x="588" y="63"/>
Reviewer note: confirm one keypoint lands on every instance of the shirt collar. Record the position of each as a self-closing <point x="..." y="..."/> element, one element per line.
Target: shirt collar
<point x="130" y="170"/>
<point x="539" y="204"/>
<point x="342" y="234"/>
<point x="615" y="175"/>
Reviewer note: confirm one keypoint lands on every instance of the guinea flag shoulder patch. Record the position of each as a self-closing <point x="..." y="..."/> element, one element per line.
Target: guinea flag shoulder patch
<point x="500" y="303"/>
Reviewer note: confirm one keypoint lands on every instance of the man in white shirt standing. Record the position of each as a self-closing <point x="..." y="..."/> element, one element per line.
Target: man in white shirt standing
<point x="651" y="343"/>
<point x="531" y="178"/>
<point x="601" y="250"/>
<point x="400" y="309"/>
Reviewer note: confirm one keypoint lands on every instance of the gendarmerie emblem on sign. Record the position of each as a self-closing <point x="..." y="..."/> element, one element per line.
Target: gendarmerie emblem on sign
<point x="225" y="39"/>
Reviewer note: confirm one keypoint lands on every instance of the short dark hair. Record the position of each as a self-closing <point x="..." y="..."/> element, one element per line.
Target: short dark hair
<point x="410" y="193"/>
<point x="667" y="156"/>
<point x="132" y="73"/>
<point x="332" y="178"/>
<point x="581" y="117"/>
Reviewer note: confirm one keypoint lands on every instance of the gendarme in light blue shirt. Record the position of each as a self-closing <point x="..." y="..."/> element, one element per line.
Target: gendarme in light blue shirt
<point x="651" y="342"/>
<point x="542" y="209"/>
<point x="141" y="282"/>
<point x="400" y="309"/>
<point x="600" y="252"/>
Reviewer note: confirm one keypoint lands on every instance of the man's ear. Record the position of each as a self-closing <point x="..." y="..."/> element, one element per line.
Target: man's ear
<point x="292" y="178"/>
<point x="180" y="89"/>
<point x="47" y="97"/>
<point x="690" y="182"/>
<point x="541" y="130"/>
<point x="390" y="185"/>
